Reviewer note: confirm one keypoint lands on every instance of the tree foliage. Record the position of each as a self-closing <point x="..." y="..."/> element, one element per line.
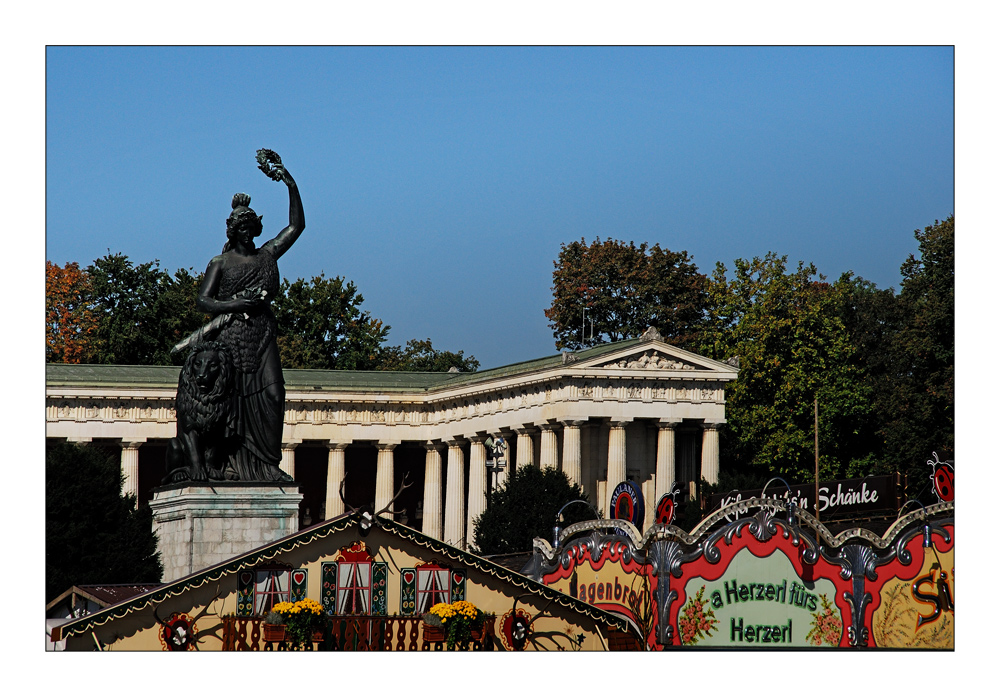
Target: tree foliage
<point x="421" y="356"/>
<point x="93" y="534"/>
<point x="793" y="347"/>
<point x="321" y="325"/>
<point x="142" y="311"/>
<point x="921" y="417"/>
<point x="70" y="321"/>
<point x="118" y="312"/>
<point x="524" y="507"/>
<point x="623" y="289"/>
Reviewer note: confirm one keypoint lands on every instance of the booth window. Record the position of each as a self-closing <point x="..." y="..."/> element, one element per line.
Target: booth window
<point x="425" y="586"/>
<point x="354" y="587"/>
<point x="355" y="584"/>
<point x="433" y="587"/>
<point x="263" y="587"/>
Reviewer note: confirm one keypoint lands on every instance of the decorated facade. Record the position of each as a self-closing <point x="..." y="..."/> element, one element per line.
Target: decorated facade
<point x="763" y="573"/>
<point x="373" y="582"/>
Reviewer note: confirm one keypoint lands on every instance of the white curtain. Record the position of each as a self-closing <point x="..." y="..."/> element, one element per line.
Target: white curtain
<point x="432" y="588"/>
<point x="354" y="588"/>
<point x="270" y="587"/>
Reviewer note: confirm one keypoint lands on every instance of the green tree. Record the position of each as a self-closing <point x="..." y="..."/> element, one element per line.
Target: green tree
<point x="921" y="418"/>
<point x="93" y="534"/>
<point x="421" y="356"/>
<point x="793" y="347"/>
<point x="321" y="325"/>
<point x="623" y="289"/>
<point x="142" y="311"/>
<point x="873" y="319"/>
<point x="524" y="507"/>
<point x="178" y="313"/>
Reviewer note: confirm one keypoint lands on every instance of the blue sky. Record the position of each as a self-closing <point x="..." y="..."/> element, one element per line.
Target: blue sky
<point x="443" y="180"/>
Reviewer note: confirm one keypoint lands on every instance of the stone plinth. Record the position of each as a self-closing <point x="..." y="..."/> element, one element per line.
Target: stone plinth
<point x="201" y="525"/>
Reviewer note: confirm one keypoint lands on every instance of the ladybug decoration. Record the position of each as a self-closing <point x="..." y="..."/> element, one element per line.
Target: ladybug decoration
<point x="943" y="479"/>
<point x="666" y="507"/>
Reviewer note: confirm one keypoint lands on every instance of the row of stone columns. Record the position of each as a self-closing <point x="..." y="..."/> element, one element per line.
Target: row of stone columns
<point x="457" y="518"/>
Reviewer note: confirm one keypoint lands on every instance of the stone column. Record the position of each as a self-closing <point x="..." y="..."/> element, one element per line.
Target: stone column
<point x="501" y="477"/>
<point x="335" y="472"/>
<point x="710" y="452"/>
<point x="477" y="482"/>
<point x="454" y="497"/>
<point x="550" y="447"/>
<point x="666" y="463"/>
<point x="288" y="459"/>
<point x="525" y="448"/>
<point x="572" y="459"/>
<point x="384" y="475"/>
<point x="432" y="491"/>
<point x="130" y="466"/>
<point x="616" y="461"/>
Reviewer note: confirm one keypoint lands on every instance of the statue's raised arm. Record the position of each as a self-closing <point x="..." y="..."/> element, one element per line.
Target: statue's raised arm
<point x="270" y="164"/>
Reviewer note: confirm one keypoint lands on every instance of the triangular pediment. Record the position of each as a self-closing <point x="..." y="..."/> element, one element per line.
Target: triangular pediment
<point x="657" y="356"/>
<point x="651" y="359"/>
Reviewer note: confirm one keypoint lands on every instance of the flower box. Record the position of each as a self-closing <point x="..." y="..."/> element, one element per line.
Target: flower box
<point x="432" y="633"/>
<point x="276" y="633"/>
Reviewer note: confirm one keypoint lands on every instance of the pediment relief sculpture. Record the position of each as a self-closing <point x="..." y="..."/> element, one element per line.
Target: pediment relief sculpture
<point x="650" y="360"/>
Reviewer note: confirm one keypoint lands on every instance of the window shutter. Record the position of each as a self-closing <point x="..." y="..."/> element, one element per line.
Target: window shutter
<point x="244" y="593"/>
<point x="329" y="593"/>
<point x="380" y="587"/>
<point x="408" y="591"/>
<point x="298" y="585"/>
<point x="457" y="585"/>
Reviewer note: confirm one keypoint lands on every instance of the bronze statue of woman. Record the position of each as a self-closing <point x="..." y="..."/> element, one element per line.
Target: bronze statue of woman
<point x="241" y="282"/>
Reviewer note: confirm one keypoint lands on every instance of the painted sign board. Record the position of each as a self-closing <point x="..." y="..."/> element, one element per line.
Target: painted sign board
<point x="914" y="607"/>
<point x="613" y="582"/>
<point x="759" y="603"/>
<point x="868" y="495"/>
<point x="767" y="581"/>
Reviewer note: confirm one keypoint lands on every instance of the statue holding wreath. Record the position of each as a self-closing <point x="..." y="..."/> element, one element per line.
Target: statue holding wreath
<point x="237" y="434"/>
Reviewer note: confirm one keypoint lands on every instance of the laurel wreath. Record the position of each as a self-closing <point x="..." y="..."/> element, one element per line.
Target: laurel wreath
<point x="265" y="161"/>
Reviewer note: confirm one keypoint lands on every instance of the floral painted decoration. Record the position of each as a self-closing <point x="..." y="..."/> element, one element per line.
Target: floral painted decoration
<point x="827" y="626"/>
<point x="696" y="621"/>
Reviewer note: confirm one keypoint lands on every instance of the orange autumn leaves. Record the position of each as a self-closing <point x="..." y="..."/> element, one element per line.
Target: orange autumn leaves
<point x="70" y="323"/>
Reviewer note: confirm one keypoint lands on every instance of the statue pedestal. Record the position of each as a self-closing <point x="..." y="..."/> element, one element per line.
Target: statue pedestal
<point x="201" y="524"/>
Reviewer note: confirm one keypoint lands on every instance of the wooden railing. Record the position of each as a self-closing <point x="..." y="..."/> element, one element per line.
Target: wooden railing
<point x="349" y="633"/>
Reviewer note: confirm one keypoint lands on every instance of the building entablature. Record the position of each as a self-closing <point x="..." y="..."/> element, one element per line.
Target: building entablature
<point x="636" y="381"/>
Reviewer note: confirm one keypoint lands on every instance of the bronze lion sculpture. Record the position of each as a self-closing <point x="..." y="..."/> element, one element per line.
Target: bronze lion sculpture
<point x="205" y="390"/>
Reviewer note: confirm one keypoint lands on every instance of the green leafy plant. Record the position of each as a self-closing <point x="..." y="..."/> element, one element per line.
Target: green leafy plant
<point x="301" y="619"/>
<point x="458" y="620"/>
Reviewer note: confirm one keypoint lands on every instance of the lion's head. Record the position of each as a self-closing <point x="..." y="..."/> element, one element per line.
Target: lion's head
<point x="206" y="382"/>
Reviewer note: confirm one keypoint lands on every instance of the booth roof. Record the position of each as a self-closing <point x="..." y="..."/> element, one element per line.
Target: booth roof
<point x="250" y="559"/>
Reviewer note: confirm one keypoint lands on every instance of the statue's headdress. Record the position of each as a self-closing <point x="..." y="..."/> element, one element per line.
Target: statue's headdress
<point x="242" y="215"/>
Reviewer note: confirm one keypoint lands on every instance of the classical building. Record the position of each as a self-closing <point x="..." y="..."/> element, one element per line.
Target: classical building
<point x="639" y="409"/>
